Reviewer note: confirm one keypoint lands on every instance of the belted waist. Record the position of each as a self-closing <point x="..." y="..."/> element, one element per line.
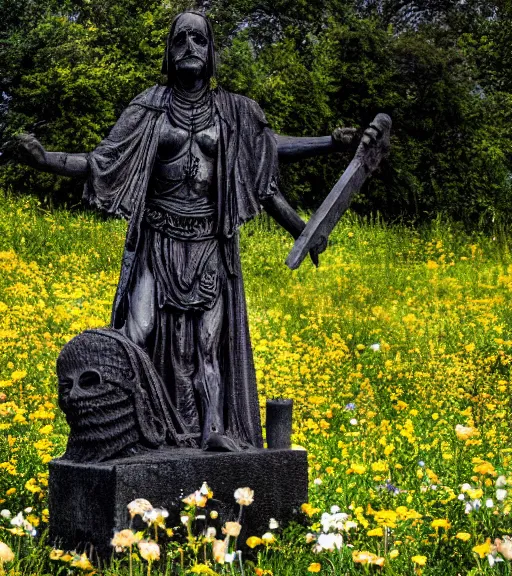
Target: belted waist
<point x="201" y="226"/>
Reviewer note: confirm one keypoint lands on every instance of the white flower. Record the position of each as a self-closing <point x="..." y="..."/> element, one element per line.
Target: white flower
<point x="460" y="497"/>
<point x="468" y="508"/>
<point x="205" y="489"/>
<point x="244" y="496"/>
<point x="149" y="550"/>
<point x="28" y="510"/>
<point x="210" y="533"/>
<point x="476" y="504"/>
<point x="155" y="516"/>
<point x="139" y="506"/>
<point x="465" y="487"/>
<point x="229" y="557"/>
<point x="353" y="421"/>
<point x="501" y="494"/>
<point x="501" y="481"/>
<point x="184" y="520"/>
<point x="317" y="481"/>
<point x="5" y="513"/>
<point x="350" y="524"/>
<point x="489" y="503"/>
<point x="330" y="541"/>
<point x="273" y="524"/>
<point x="375" y="347"/>
<point x="493" y="559"/>
<point x="268" y="538"/>
<point x="18" y="520"/>
<point x="335" y="509"/>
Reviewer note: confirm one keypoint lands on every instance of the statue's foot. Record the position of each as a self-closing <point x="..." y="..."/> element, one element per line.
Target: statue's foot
<point x="216" y="442"/>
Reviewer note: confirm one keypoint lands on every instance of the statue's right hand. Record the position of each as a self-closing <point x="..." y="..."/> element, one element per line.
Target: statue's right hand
<point x="30" y="151"/>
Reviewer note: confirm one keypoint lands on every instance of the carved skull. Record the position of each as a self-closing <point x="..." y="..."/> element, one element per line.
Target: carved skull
<point x="101" y="392"/>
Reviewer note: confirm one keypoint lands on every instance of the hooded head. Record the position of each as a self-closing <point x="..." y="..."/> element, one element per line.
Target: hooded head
<point x="190" y="49"/>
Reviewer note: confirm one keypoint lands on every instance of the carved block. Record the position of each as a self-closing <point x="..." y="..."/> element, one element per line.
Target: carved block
<point x="88" y="501"/>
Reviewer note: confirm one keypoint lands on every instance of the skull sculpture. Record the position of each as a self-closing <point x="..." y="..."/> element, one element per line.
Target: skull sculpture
<point x="113" y="399"/>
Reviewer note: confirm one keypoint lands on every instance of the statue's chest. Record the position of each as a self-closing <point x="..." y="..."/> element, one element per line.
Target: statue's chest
<point x="174" y="142"/>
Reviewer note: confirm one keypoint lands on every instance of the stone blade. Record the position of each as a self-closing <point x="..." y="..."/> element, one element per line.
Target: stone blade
<point x="327" y="216"/>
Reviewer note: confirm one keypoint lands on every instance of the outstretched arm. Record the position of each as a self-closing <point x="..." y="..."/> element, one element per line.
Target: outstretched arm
<point x="286" y="216"/>
<point x="31" y="152"/>
<point x="293" y="148"/>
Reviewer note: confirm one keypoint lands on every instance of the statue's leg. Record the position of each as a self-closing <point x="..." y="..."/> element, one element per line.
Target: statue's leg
<point x="140" y="319"/>
<point x="209" y="381"/>
<point x="182" y="348"/>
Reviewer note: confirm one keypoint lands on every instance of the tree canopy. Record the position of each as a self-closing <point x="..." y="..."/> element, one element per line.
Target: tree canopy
<point x="440" y="69"/>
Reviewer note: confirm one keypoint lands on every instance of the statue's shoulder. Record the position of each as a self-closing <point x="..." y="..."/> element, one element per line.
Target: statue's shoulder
<point x="153" y="98"/>
<point x="231" y="101"/>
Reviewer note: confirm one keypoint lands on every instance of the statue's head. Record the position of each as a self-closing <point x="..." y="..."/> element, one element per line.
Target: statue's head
<point x="190" y="51"/>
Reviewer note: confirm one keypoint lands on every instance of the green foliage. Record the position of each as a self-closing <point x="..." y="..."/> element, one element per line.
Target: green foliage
<point x="439" y="69"/>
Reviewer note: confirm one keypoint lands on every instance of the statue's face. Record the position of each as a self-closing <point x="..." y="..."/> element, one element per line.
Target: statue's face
<point x="188" y="49"/>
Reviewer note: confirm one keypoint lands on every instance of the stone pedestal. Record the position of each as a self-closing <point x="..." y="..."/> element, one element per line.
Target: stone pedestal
<point x="88" y="501"/>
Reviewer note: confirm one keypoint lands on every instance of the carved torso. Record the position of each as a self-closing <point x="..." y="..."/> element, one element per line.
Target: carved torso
<point x="184" y="168"/>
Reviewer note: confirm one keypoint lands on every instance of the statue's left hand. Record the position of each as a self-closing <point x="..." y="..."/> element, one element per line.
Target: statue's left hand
<point x="317" y="249"/>
<point x="344" y="138"/>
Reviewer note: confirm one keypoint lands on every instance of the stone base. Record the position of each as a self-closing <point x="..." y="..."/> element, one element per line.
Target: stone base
<point x="88" y="501"/>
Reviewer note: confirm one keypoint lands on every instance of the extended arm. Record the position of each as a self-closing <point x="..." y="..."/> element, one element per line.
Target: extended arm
<point x="31" y="152"/>
<point x="293" y="148"/>
<point x="286" y="216"/>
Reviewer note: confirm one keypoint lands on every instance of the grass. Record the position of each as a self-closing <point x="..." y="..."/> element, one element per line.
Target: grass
<point x="400" y="336"/>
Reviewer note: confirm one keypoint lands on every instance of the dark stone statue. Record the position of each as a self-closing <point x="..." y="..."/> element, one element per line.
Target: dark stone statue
<point x="186" y="166"/>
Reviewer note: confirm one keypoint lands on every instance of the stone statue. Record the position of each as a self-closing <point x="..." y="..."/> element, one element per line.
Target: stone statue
<point x="187" y="166"/>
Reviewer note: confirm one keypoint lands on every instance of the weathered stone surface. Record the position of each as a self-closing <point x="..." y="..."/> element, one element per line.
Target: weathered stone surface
<point x="279" y="423"/>
<point x="88" y="501"/>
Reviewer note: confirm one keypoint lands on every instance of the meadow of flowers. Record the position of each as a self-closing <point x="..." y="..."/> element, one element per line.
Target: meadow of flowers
<point x="396" y="352"/>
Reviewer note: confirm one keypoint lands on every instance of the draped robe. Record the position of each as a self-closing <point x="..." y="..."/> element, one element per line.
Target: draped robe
<point x="120" y="171"/>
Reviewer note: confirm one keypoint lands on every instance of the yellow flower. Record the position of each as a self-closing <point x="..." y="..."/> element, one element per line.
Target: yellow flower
<point x="56" y="554"/>
<point x="465" y="432"/>
<point x="6" y="554"/>
<point x="149" y="550"/>
<point x="358" y="468"/>
<point x="315" y="567"/>
<point x="376" y="532"/>
<point x="441" y="523"/>
<point x="485" y="468"/>
<point x="254" y="541"/>
<point x="364" y="557"/>
<point x="309" y="510"/>
<point x="394" y="554"/>
<point x="464" y="536"/>
<point x="244" y="496"/>
<point x="203" y="569"/>
<point x="82" y="562"/>
<point x="420" y="560"/>
<point x="196" y="499"/>
<point x="475" y="494"/>
<point x="10" y="492"/>
<point x="219" y="551"/>
<point x="232" y="529"/>
<point x="124" y="539"/>
<point x="483" y="549"/>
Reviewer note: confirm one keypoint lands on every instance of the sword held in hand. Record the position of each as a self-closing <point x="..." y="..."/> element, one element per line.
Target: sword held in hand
<point x="374" y="146"/>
